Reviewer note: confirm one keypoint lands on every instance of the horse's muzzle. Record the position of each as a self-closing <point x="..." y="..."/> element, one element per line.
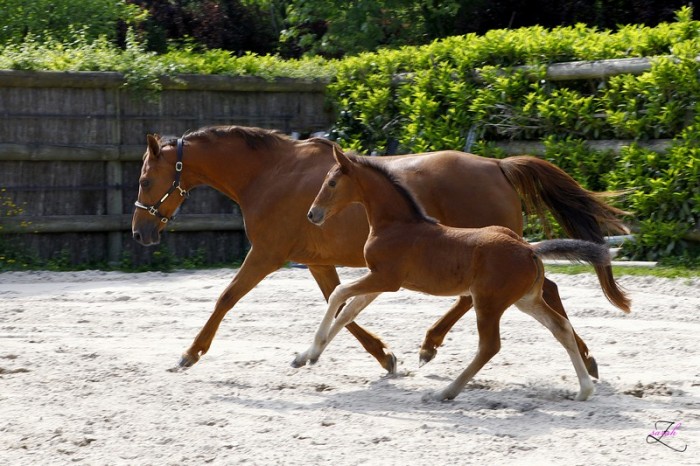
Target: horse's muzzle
<point x="148" y="236"/>
<point x="316" y="216"/>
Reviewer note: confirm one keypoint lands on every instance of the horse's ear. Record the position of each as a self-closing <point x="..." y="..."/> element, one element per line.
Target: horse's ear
<point x="342" y="159"/>
<point x="153" y="141"/>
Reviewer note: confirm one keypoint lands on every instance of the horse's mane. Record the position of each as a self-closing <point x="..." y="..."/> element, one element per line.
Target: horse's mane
<point x="255" y="138"/>
<point x="413" y="204"/>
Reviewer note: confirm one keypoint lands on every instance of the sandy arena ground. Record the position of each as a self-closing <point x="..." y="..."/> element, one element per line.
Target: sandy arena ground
<point x="84" y="379"/>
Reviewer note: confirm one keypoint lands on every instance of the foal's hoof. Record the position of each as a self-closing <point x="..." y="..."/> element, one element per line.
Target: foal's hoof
<point x="585" y="393"/>
<point x="439" y="396"/>
<point x="298" y="361"/>
<point x="592" y="367"/>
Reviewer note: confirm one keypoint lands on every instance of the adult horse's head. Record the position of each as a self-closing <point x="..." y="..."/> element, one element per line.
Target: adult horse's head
<point x="337" y="191"/>
<point x="160" y="189"/>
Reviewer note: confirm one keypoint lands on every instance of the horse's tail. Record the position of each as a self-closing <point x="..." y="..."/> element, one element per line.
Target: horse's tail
<point x="581" y="213"/>
<point x="593" y="253"/>
<point x="544" y="186"/>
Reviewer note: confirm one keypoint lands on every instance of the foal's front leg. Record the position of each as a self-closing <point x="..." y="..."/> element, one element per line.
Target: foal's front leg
<point x="366" y="289"/>
<point x="329" y="328"/>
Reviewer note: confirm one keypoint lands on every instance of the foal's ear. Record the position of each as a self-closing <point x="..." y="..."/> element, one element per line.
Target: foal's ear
<point x="153" y="141"/>
<point x="341" y="158"/>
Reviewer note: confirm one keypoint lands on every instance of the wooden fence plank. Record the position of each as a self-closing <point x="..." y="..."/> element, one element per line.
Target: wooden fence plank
<point x="114" y="223"/>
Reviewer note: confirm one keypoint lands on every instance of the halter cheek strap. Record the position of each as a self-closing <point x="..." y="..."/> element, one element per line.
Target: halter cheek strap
<point x="153" y="209"/>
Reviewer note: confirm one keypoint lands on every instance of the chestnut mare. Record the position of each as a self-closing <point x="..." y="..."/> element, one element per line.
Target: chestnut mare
<point x="408" y="249"/>
<point x="274" y="180"/>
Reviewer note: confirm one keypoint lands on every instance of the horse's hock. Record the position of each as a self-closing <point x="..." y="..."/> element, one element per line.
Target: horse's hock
<point x="70" y="153"/>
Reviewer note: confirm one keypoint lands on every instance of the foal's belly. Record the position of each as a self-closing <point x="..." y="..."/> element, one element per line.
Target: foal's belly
<point x="436" y="289"/>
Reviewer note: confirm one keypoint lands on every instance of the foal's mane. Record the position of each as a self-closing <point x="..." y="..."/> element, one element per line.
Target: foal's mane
<point x="414" y="205"/>
<point x="255" y="138"/>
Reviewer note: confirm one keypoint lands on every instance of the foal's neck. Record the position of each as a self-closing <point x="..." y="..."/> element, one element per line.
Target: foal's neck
<point x="385" y="202"/>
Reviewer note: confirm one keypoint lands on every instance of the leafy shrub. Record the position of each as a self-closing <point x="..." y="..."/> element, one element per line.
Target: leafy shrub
<point x="469" y="85"/>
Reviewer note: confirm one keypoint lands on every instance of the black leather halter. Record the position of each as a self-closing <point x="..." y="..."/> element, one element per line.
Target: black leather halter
<point x="153" y="209"/>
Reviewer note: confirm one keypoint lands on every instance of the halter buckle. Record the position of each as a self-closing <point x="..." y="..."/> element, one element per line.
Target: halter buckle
<point x="183" y="192"/>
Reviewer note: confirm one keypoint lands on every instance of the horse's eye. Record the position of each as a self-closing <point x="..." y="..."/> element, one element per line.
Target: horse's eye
<point x="145" y="183"/>
<point x="331" y="183"/>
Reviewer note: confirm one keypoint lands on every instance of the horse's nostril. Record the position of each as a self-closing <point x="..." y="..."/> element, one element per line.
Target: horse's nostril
<point x="310" y="215"/>
<point x="137" y="236"/>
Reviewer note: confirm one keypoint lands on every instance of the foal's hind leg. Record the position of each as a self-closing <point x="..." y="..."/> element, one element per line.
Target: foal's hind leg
<point x="552" y="298"/>
<point x="563" y="332"/>
<point x="327" y="279"/>
<point x="436" y="334"/>
<point x="488" y="323"/>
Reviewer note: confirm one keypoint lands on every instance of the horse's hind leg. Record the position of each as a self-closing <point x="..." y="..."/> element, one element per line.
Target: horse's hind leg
<point x="564" y="333"/>
<point x="327" y="279"/>
<point x="552" y="298"/>
<point x="436" y="334"/>
<point x="488" y="324"/>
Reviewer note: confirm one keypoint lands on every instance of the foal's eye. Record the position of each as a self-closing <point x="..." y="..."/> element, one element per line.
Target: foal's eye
<point x="145" y="183"/>
<point x="331" y="183"/>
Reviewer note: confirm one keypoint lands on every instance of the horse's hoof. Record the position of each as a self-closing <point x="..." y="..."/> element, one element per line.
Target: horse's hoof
<point x="592" y="367"/>
<point x="390" y="363"/>
<point x="186" y="361"/>
<point x="425" y="356"/>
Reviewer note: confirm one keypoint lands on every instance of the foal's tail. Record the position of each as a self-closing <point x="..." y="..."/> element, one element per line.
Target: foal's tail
<point x="593" y="253"/>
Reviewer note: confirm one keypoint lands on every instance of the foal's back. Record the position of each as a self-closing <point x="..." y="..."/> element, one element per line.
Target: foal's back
<point x="447" y="261"/>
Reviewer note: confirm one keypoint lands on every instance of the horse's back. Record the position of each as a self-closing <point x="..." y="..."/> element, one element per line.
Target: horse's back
<point x="461" y="189"/>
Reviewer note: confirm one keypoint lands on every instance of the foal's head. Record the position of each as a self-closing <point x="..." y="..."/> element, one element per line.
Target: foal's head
<point x="338" y="189"/>
<point x="160" y="194"/>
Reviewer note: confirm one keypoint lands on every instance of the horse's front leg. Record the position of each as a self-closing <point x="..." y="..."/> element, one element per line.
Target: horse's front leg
<point x="255" y="267"/>
<point x="327" y="279"/>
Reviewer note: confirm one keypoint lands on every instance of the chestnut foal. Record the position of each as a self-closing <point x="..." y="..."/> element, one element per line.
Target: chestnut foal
<point x="408" y="249"/>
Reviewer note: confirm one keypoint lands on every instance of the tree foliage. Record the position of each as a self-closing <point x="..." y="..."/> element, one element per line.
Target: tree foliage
<point x="235" y="25"/>
<point x="62" y="20"/>
<point x="335" y="29"/>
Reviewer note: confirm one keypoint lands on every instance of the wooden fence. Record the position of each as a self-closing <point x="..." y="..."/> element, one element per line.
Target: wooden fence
<point x="71" y="146"/>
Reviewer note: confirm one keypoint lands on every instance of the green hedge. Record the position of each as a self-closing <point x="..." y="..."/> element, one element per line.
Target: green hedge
<point x="433" y="97"/>
<point x="472" y="85"/>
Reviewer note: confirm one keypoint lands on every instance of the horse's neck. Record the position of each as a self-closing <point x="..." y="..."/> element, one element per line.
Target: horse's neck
<point x="233" y="169"/>
<point x="384" y="204"/>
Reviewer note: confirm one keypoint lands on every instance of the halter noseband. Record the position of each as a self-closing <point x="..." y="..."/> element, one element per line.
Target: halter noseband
<point x="153" y="209"/>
